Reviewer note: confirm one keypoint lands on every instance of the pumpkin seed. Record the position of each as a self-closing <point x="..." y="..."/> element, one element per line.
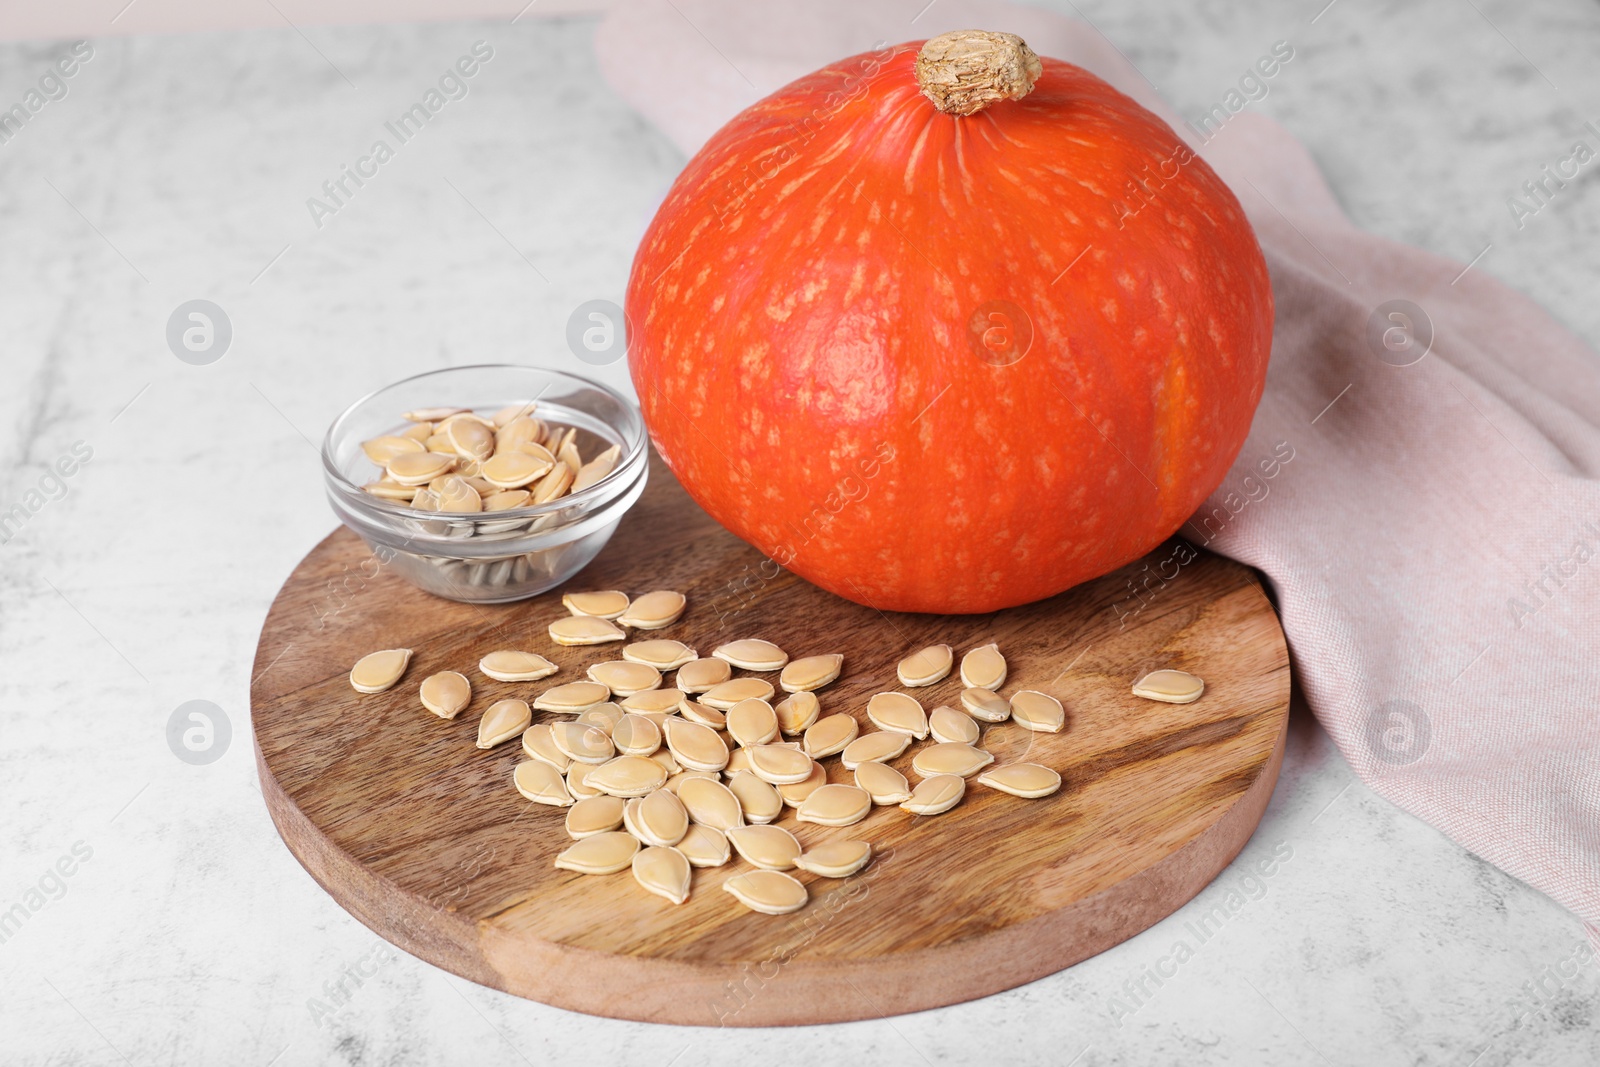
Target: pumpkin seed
<point x="507" y="665"/>
<point x="812" y="672"/>
<point x="552" y="485"/>
<point x="946" y="758"/>
<point x="584" y="744"/>
<point x="515" y="432"/>
<point x="377" y="671"/>
<point x="926" y="666"/>
<point x="1022" y="779"/>
<point x="710" y="803"/>
<point x="985" y="705"/>
<point x="418" y="432"/>
<point x="635" y="735"/>
<point x="431" y="414"/>
<point x="662" y="871"/>
<point x="983" y="668"/>
<point x="457" y="494"/>
<point x="948" y="724"/>
<point x="663" y="654"/>
<point x="676" y="780"/>
<point x="418" y="468"/>
<point x="898" y="711"/>
<point x="725" y="695"/>
<point x="596" y="469"/>
<point x="936" y="795"/>
<point x="630" y="818"/>
<point x="738" y="760"/>
<point x="541" y="783"/>
<point x="503" y="720"/>
<point x="604" y="853"/>
<point x="885" y="784"/>
<point x="514" y="470"/>
<point x="874" y="748"/>
<point x="829" y="736"/>
<point x="383" y="449"/>
<point x="627" y="776"/>
<point x="703" y="846"/>
<point x="510" y="413"/>
<point x="573" y="698"/>
<point x="470" y="438"/>
<point x="695" y="711"/>
<point x="835" y="859"/>
<point x="653" y="610"/>
<point x="768" y="892"/>
<point x="385" y="489"/>
<point x="668" y="761"/>
<point x="539" y="743"/>
<point x="661" y="818"/>
<point x="625" y="678"/>
<point x="697" y="747"/>
<point x="752" y="722"/>
<point x="760" y="801"/>
<point x="795" y="793"/>
<point x="836" y="805"/>
<point x="511" y="498"/>
<point x="585" y="630"/>
<point x="654" y="701"/>
<point x="578" y="780"/>
<point x="445" y="694"/>
<point x="698" y="675"/>
<point x="752" y="654"/>
<point x="771" y="848"/>
<point x="595" y="815"/>
<point x="797" y="712"/>
<point x="779" y="764"/>
<point x="1036" y="711"/>
<point x="606" y="604"/>
<point x="568" y="454"/>
<point x="1169" y="687"/>
<point x="605" y="715"/>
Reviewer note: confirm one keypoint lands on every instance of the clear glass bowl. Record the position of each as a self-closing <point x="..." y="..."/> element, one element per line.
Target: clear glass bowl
<point x="489" y="557"/>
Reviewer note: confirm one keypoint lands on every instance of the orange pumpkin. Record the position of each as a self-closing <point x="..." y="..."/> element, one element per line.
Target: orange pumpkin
<point x="948" y="327"/>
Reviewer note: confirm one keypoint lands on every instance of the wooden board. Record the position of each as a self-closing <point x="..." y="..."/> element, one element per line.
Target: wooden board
<point x="421" y="836"/>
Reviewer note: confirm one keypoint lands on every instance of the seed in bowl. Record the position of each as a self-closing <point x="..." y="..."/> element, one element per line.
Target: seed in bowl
<point x="418" y="468"/>
<point x="983" y="668"/>
<point x="606" y="604"/>
<point x="445" y="694"/>
<point x="811" y="672"/>
<point x="1022" y="779"/>
<point x="752" y="654"/>
<point x="1039" y="712"/>
<point x="654" y="610"/>
<point x="926" y="666"/>
<point x="510" y="413"/>
<point x="698" y="675"/>
<point x="514" y="470"/>
<point x="431" y="414"/>
<point x="768" y="892"/>
<point x="509" y="665"/>
<point x="503" y="720"/>
<point x="585" y="630"/>
<point x="835" y="859"/>
<point x="382" y="449"/>
<point x="1169" y="687"/>
<point x="377" y="671"/>
<point x="596" y="469"/>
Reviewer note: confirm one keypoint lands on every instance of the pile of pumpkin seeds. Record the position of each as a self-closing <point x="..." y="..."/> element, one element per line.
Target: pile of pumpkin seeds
<point x="660" y="779"/>
<point x="453" y="460"/>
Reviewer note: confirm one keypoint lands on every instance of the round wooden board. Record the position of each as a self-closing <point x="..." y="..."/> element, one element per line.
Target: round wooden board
<point x="421" y="836"/>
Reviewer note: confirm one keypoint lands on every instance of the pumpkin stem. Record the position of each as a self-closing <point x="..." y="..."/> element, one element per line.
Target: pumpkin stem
<point x="965" y="71"/>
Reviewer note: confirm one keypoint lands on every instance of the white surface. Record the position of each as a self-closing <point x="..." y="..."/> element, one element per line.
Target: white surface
<point x="179" y="167"/>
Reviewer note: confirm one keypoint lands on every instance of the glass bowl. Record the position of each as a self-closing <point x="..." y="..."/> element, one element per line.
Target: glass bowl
<point x="500" y="556"/>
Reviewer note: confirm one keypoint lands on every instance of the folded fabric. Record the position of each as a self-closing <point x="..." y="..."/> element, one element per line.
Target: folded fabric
<point x="1419" y="485"/>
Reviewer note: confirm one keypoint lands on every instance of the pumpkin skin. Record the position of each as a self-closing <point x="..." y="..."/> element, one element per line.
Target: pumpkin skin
<point x="948" y="364"/>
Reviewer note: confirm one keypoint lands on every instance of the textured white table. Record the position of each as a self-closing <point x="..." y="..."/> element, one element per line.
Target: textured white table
<point x="178" y="168"/>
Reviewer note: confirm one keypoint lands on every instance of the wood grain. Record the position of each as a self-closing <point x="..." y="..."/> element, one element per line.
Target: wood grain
<point x="421" y="836"/>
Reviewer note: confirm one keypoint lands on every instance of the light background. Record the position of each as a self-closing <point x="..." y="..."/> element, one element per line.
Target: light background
<point x="178" y="166"/>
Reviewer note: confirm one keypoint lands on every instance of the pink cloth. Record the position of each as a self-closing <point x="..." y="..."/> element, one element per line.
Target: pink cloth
<point x="1434" y="541"/>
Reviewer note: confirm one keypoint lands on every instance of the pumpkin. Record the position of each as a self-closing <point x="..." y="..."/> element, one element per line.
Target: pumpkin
<point x="948" y="327"/>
